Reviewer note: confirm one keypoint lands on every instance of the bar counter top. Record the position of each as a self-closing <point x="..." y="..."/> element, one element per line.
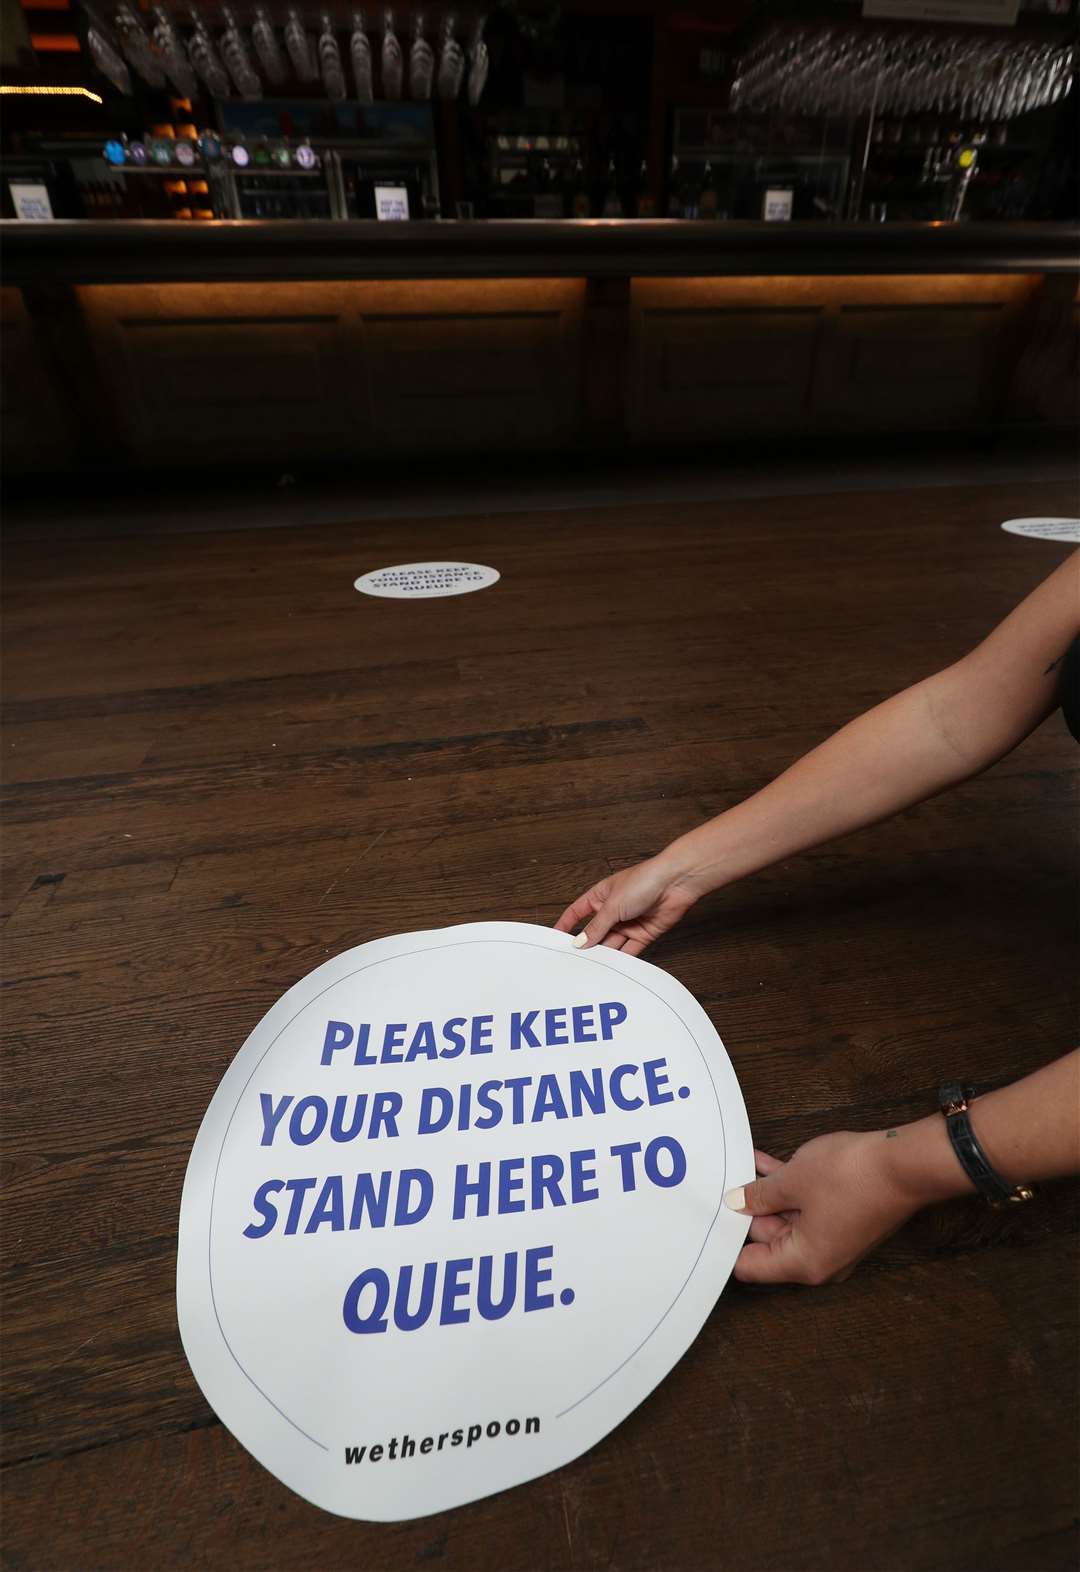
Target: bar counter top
<point x="255" y="342"/>
<point x="87" y="252"/>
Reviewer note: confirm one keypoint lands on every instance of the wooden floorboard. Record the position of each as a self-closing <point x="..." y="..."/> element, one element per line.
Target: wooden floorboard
<point x="222" y="765"/>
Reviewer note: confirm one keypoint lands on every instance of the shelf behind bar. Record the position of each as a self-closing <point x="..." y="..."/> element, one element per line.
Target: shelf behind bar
<point x="129" y="251"/>
<point x="201" y="171"/>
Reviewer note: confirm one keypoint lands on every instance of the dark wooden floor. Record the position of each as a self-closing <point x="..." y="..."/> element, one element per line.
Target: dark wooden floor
<point x="224" y="765"/>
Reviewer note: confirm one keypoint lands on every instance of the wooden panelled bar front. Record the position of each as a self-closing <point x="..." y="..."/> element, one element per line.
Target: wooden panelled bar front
<point x="149" y="344"/>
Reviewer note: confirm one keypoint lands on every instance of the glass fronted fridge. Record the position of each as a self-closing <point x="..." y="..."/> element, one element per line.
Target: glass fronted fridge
<point x="313" y="159"/>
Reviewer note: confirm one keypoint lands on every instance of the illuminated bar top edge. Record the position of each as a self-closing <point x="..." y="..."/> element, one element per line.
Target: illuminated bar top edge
<point x="79" y="251"/>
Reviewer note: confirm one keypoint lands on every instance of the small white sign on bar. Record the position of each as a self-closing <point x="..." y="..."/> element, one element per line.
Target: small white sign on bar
<point x="391" y="202"/>
<point x="31" y="201"/>
<point x="1001" y="12"/>
<point x="777" y="205"/>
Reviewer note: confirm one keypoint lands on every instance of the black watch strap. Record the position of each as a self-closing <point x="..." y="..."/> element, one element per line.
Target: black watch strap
<point x="953" y="1099"/>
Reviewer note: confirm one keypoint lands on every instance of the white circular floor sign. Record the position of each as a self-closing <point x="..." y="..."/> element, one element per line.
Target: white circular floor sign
<point x="426" y="580"/>
<point x="1045" y="529"/>
<point x="454" y="1210"/>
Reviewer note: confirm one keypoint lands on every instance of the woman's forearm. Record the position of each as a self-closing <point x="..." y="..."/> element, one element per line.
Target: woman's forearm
<point x="1029" y="1131"/>
<point x="932" y="735"/>
<point x="840" y="1195"/>
<point x="904" y="750"/>
<point x="887" y="759"/>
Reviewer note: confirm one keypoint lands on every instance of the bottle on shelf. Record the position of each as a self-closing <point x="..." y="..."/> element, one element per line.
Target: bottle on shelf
<point x="582" y="205"/>
<point x="567" y="188"/>
<point x="688" y="197"/>
<point x="613" y="207"/>
<point x="646" y="206"/>
<point x="707" y="199"/>
<point x="548" y="199"/>
<point x="674" y="201"/>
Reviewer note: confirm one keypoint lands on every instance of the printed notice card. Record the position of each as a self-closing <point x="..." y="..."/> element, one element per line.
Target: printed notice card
<point x="454" y="1210"/>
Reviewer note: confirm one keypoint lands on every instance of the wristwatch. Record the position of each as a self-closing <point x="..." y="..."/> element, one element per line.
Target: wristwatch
<point x="954" y="1100"/>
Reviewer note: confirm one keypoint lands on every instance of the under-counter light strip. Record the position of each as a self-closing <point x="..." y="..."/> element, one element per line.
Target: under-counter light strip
<point x="51" y="92"/>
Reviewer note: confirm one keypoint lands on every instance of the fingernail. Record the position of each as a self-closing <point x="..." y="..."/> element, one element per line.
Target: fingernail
<point x="580" y="939"/>
<point x="735" y="1200"/>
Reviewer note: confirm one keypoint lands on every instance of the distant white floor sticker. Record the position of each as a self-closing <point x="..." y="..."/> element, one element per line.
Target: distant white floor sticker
<point x="454" y="1210"/>
<point x="1045" y="529"/>
<point x="426" y="580"/>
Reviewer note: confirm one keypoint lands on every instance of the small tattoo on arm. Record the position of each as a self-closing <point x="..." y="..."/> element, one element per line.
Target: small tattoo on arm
<point x="890" y="1135"/>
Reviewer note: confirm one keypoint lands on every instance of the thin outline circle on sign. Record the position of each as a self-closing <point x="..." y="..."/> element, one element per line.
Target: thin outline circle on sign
<point x="459" y="944"/>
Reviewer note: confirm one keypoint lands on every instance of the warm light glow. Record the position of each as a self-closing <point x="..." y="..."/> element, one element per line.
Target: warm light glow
<point x="55" y="44"/>
<point x="54" y="92"/>
<point x="816" y="292"/>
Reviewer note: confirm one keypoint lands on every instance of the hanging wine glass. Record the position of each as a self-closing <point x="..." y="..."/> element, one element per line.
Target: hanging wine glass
<point x="235" y="55"/>
<point x="204" y="57"/>
<point x="333" y="73"/>
<point x="451" y="61"/>
<point x="827" y="70"/>
<point x="1066" y="71"/>
<point x="1003" y="92"/>
<point x="108" y="61"/>
<point x="1050" y="75"/>
<point x="137" y="48"/>
<point x="391" y="59"/>
<point x="267" y="50"/>
<point x="299" y="47"/>
<point x="172" y="55"/>
<point x="479" y="63"/>
<point x="360" y="52"/>
<point x="421" y="61"/>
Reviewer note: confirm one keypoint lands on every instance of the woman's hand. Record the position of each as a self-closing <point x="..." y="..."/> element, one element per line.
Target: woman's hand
<point x="816" y="1216"/>
<point x="628" y="910"/>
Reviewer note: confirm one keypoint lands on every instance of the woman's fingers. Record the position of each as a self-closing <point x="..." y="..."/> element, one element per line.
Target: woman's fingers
<point x="598" y="927"/>
<point x="576" y="912"/>
<point x="596" y="930"/>
<point x="784" y="1260"/>
<point x="763" y="1230"/>
<point x="777" y="1261"/>
<point x="764" y="1196"/>
<point x="770" y="1226"/>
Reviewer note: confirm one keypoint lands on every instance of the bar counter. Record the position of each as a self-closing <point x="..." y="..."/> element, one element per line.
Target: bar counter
<point x="144" y="343"/>
<point x="148" y="252"/>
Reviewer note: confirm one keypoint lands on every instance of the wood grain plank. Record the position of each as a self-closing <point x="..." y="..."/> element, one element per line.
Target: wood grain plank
<point x="222" y="766"/>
